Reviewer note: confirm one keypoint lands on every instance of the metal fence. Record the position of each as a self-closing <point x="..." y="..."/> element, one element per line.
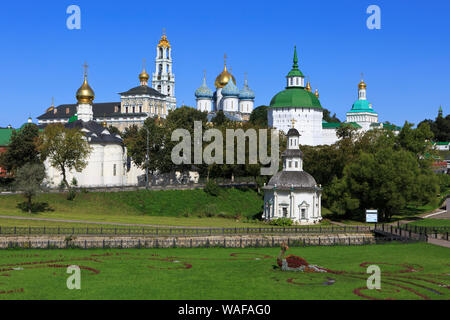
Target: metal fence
<point x="426" y="230"/>
<point x="182" y="231"/>
<point x="394" y="232"/>
<point x="196" y="243"/>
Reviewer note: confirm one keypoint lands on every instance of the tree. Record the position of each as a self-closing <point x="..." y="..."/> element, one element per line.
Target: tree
<point x="387" y="180"/>
<point x="29" y="180"/>
<point x="259" y="116"/>
<point x="114" y="130"/>
<point x="65" y="149"/>
<point x="345" y="130"/>
<point x="219" y="119"/>
<point x="22" y="148"/>
<point x="327" y="118"/>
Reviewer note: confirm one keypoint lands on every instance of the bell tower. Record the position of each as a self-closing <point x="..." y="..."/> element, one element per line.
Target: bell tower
<point x="163" y="78"/>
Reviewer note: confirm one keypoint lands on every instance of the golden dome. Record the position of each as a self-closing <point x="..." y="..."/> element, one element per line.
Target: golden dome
<point x="362" y="84"/>
<point x="223" y="78"/>
<point x="308" y="87"/>
<point x="163" y="42"/>
<point x="85" y="94"/>
<point x="144" y="76"/>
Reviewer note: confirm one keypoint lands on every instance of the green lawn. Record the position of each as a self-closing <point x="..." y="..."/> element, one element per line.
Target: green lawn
<point x="409" y="271"/>
<point x="231" y="208"/>
<point x="431" y="223"/>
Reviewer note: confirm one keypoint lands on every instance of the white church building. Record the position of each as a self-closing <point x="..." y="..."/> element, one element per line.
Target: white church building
<point x="293" y="193"/>
<point x="107" y="163"/>
<point x="297" y="103"/>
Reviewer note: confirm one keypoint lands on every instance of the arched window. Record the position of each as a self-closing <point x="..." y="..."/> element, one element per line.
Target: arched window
<point x="161" y="53"/>
<point x="159" y="88"/>
<point x="168" y="89"/>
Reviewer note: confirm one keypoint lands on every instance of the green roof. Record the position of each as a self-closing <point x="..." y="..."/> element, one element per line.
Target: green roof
<point x="391" y="127"/>
<point x="295" y="97"/>
<point x="442" y="143"/>
<point x="362" y="106"/>
<point x="326" y="125"/>
<point x="5" y="136"/>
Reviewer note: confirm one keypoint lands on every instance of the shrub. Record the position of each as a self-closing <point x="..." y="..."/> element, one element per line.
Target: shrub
<point x="282" y="222"/>
<point x="34" y="207"/>
<point x="71" y="194"/>
<point x="212" y="188"/>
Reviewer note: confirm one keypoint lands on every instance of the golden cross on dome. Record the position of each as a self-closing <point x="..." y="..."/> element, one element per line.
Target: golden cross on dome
<point x="85" y="66"/>
<point x="143" y="60"/>
<point x="361" y="76"/>
<point x="225" y="57"/>
<point x="204" y="74"/>
<point x="164" y="31"/>
<point x="293" y="122"/>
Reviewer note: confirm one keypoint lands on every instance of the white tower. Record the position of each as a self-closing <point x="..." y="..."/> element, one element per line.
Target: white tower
<point x="163" y="78"/>
<point x="246" y="100"/>
<point x="85" y="95"/>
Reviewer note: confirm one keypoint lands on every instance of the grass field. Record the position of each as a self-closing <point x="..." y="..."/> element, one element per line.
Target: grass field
<point x="431" y="223"/>
<point x="409" y="271"/>
<point x="169" y="207"/>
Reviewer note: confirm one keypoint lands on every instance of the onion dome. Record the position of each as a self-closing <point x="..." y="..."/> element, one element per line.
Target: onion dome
<point x="85" y="94"/>
<point x="204" y="91"/>
<point x="246" y="93"/>
<point x="144" y="76"/>
<point x="317" y="94"/>
<point x="163" y="42"/>
<point x="224" y="77"/>
<point x="362" y="84"/>
<point x="308" y="86"/>
<point x="230" y="90"/>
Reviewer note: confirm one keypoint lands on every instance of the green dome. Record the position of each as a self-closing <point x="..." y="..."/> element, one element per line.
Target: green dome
<point x="362" y="106"/>
<point x="295" y="97"/>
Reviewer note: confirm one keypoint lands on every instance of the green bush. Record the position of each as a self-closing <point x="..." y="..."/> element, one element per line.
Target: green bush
<point x="212" y="188"/>
<point x="282" y="222"/>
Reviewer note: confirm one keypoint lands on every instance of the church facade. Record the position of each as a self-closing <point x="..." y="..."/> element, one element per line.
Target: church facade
<point x="107" y="163"/>
<point x="236" y="104"/>
<point x="293" y="193"/>
<point x="136" y="104"/>
<point x="297" y="104"/>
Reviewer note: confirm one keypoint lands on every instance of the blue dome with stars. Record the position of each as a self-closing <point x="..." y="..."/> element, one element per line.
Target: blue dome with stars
<point x="204" y="91"/>
<point x="230" y="90"/>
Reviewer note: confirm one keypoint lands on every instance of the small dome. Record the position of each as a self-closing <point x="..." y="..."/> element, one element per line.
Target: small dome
<point x="85" y="94"/>
<point x="296" y="179"/>
<point x="246" y="93"/>
<point x="230" y="90"/>
<point x="362" y="85"/>
<point x="293" y="133"/>
<point x="144" y="76"/>
<point x="362" y="106"/>
<point x="204" y="91"/>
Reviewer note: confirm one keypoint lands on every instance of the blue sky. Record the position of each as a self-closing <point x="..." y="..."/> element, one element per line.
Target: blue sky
<point x="406" y="64"/>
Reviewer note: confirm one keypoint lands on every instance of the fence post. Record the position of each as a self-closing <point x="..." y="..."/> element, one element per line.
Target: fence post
<point x="446" y="236"/>
<point x="319" y="240"/>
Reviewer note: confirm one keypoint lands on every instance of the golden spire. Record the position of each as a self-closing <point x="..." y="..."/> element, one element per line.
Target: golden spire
<point x="317" y="94"/>
<point x="293" y="122"/>
<point x="164" y="42"/>
<point x="52" y="107"/>
<point x="362" y="84"/>
<point x="308" y="86"/>
<point x="144" y="76"/>
<point x="85" y="94"/>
